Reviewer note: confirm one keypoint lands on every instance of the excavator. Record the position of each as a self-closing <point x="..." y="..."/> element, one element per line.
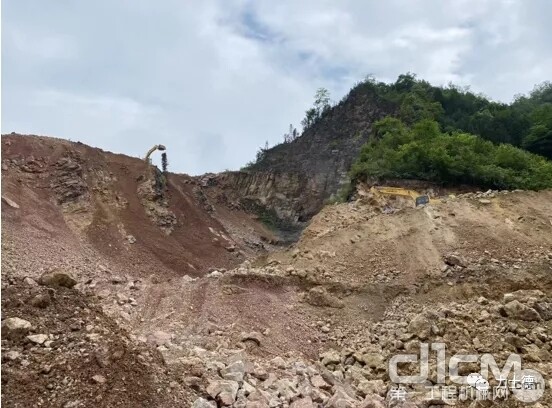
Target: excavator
<point x="154" y="148"/>
<point x="419" y="199"/>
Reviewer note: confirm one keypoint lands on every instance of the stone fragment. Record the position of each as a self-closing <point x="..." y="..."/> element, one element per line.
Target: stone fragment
<point x="517" y="310"/>
<point x="14" y="326"/>
<point x="57" y="279"/>
<point x="37" y="338"/>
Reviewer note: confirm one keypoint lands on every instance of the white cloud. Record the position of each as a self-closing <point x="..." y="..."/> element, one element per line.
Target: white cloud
<point x="49" y="47"/>
<point x="213" y="80"/>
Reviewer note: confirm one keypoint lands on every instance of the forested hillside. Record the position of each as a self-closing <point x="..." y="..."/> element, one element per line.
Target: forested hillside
<point x="408" y="129"/>
<point x="452" y="136"/>
<point x="526" y="123"/>
<point x="424" y="152"/>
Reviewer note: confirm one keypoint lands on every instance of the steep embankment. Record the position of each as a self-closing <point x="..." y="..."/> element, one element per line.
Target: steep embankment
<point x="295" y="179"/>
<point x="82" y="207"/>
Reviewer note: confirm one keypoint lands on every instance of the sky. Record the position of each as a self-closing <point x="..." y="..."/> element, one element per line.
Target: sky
<point x="213" y="80"/>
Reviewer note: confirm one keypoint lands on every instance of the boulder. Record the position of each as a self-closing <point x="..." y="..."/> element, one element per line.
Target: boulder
<point x="544" y="309"/>
<point x="279" y="362"/>
<point x="14" y="326"/>
<point x="318" y="382"/>
<point x="517" y="310"/>
<point x="302" y="403"/>
<point x="319" y="296"/>
<point x="160" y="338"/>
<point x="30" y="281"/>
<point x="330" y="357"/>
<point x="373" y="401"/>
<point x="368" y="387"/>
<point x="372" y="360"/>
<point x="42" y="300"/>
<point x="256" y="404"/>
<point x="224" y="391"/>
<point x="286" y="389"/>
<point x="420" y="326"/>
<point x="235" y="371"/>
<point x="116" y="279"/>
<point x="523" y="296"/>
<point x="57" y="279"/>
<point x="340" y="399"/>
<point x="203" y="403"/>
<point x="254" y="337"/>
<point x="215" y="274"/>
<point x="454" y="259"/>
<point x="38" y="338"/>
<point x="259" y="372"/>
<point x="258" y="396"/>
<point x="99" y="379"/>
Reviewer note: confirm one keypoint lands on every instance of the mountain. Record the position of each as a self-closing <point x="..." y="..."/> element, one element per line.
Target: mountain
<point x="292" y="181"/>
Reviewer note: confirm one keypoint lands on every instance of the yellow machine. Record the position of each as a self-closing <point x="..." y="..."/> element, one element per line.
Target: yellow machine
<point x="154" y="148"/>
<point x="419" y="199"/>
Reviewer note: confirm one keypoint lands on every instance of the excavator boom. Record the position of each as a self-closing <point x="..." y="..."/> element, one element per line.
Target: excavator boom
<point x="154" y="148"/>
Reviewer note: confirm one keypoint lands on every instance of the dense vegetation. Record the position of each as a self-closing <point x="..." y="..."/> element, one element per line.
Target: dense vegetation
<point x="525" y="123"/>
<point x="422" y="151"/>
<point x="453" y="136"/>
<point x="444" y="134"/>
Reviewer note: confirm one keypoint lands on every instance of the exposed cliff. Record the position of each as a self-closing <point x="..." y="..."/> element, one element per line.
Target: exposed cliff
<point x="293" y="180"/>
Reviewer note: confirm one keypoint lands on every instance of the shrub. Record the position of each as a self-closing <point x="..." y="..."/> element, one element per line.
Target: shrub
<point x="423" y="152"/>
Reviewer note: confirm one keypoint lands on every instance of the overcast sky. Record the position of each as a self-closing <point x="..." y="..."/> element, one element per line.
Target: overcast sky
<point x="213" y="80"/>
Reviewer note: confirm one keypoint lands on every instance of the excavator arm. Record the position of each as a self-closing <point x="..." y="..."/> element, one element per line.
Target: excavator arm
<point x="154" y="148"/>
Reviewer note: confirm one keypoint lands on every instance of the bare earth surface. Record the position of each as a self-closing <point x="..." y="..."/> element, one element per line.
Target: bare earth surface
<point x="185" y="300"/>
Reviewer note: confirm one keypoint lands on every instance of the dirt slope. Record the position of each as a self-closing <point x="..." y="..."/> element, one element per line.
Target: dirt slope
<point x="84" y="200"/>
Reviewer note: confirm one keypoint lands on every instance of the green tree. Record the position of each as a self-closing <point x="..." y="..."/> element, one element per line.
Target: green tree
<point x="321" y="101"/>
<point x="539" y="138"/>
<point x="423" y="151"/>
<point x="321" y="106"/>
<point x="310" y="118"/>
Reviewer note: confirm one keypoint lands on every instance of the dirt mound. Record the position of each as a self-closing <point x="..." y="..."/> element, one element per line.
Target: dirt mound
<point x="355" y="243"/>
<point x="87" y="201"/>
<point x="73" y="355"/>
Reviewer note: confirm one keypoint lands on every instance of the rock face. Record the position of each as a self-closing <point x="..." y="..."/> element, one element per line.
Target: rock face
<point x="69" y="184"/>
<point x="294" y="179"/>
<point x="156" y="205"/>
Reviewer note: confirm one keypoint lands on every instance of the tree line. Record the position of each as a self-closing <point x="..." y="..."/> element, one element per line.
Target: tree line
<point x="423" y="151"/>
<point x="525" y="123"/>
